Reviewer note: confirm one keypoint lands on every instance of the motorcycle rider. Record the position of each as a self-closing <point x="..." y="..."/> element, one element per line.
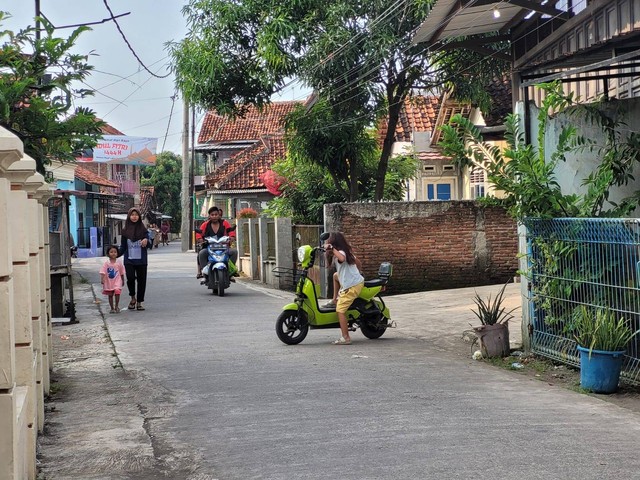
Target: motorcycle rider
<point x="212" y="227"/>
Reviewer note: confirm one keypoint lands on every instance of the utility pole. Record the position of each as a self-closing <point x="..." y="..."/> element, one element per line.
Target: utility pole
<point x="37" y="20"/>
<point x="192" y="189"/>
<point x="185" y="231"/>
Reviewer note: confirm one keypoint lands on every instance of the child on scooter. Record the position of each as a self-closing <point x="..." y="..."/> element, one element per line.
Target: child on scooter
<point x="339" y="251"/>
<point x="112" y="278"/>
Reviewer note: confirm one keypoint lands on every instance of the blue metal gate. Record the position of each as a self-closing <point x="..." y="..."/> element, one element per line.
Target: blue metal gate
<point x="582" y="261"/>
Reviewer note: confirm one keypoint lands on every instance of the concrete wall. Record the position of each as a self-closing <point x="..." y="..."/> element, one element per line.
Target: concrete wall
<point x="25" y="313"/>
<point x="579" y="165"/>
<point x="432" y="245"/>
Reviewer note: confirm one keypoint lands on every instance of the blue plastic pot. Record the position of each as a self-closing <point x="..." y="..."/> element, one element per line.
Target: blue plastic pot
<point x="600" y="371"/>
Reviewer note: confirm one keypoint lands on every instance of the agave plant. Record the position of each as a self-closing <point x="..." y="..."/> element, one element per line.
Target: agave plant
<point x="599" y="329"/>
<point x="491" y="311"/>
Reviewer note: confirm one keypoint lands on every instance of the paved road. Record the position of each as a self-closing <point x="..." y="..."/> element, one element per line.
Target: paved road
<point x="248" y="407"/>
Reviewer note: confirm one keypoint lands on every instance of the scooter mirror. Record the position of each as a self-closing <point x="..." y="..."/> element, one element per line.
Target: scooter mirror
<point x="324" y="236"/>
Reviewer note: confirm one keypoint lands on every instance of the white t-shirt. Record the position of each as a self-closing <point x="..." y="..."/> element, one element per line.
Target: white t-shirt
<point x="348" y="275"/>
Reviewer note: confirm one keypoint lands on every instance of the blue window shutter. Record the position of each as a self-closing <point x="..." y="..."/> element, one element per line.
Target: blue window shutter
<point x="444" y="191"/>
<point x="430" y="192"/>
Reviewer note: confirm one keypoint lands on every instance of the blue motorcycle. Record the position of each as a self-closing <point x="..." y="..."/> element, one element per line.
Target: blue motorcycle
<point x="218" y="271"/>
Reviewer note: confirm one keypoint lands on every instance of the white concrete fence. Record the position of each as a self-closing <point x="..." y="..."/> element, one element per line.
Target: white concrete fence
<point x="25" y="312"/>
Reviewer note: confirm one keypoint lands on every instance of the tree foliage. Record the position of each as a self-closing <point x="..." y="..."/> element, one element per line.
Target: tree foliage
<point x="166" y="178"/>
<point x="356" y="56"/>
<point x="37" y="78"/>
<point x="310" y="186"/>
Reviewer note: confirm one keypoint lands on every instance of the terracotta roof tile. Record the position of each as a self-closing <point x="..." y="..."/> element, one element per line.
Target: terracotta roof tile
<point x="91" y="178"/>
<point x="434" y="154"/>
<point x="418" y="114"/>
<point x="501" y="102"/>
<point x="109" y="130"/>
<point x="252" y="126"/>
<point x="243" y="170"/>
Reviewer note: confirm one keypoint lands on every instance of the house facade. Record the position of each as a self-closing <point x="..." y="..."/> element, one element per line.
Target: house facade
<point x="236" y="154"/>
<point x="418" y="133"/>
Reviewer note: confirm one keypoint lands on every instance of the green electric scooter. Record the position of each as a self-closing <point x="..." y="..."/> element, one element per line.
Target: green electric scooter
<point x="368" y="312"/>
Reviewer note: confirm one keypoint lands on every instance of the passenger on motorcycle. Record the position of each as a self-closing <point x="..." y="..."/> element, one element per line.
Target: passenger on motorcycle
<point x="215" y="226"/>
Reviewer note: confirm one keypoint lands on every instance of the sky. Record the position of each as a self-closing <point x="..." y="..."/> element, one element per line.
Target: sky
<point x="140" y="104"/>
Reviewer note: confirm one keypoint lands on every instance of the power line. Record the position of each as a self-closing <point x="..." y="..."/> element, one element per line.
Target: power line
<point x="129" y="45"/>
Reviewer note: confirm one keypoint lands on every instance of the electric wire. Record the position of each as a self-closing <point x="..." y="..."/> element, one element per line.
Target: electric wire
<point x="463" y="70"/>
<point x="124" y="37"/>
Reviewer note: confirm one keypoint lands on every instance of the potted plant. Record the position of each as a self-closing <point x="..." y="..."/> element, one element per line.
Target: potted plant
<point x="493" y="334"/>
<point x="602" y="341"/>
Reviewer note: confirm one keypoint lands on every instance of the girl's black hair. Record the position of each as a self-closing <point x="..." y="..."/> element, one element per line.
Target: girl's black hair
<point x="339" y="242"/>
<point x="113" y="246"/>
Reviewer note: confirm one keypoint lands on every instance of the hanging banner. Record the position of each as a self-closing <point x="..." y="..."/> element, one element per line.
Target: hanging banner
<point x="123" y="150"/>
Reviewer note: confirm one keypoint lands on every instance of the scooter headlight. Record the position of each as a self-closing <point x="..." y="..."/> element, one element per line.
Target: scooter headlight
<point x="304" y="255"/>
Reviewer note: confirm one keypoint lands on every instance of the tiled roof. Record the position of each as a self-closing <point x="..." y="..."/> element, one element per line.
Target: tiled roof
<point x="448" y="110"/>
<point x="418" y="114"/>
<point x="243" y="170"/>
<point x="252" y="126"/>
<point x="501" y="102"/>
<point x="109" y="130"/>
<point x="91" y="178"/>
<point x="434" y="154"/>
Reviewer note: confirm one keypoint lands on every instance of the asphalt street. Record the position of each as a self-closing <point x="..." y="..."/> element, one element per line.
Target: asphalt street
<point x="223" y="388"/>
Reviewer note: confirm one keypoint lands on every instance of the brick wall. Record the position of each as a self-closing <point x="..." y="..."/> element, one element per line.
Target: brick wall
<point x="432" y="245"/>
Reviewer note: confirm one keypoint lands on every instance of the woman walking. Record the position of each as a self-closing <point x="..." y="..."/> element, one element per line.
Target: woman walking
<point x="134" y="245"/>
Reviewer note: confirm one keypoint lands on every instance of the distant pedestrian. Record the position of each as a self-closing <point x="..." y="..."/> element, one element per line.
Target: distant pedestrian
<point x="164" y="230"/>
<point x="135" y="242"/>
<point x="154" y="235"/>
<point x="112" y="278"/>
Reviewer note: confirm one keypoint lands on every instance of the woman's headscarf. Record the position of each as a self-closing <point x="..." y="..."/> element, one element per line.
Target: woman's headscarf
<point x="134" y="231"/>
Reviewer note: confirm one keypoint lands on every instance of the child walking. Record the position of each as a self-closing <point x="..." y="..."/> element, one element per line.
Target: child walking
<point x="112" y="278"/>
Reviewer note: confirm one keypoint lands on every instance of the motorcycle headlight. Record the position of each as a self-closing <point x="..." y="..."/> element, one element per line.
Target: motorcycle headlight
<point x="301" y="254"/>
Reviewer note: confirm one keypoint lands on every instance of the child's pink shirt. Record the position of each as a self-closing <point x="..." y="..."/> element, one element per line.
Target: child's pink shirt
<point x="113" y="274"/>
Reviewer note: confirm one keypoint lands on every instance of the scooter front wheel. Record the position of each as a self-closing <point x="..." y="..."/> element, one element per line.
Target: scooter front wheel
<point x="292" y="326"/>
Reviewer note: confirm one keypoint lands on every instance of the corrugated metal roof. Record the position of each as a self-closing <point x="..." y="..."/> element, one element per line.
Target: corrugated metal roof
<point x="449" y="22"/>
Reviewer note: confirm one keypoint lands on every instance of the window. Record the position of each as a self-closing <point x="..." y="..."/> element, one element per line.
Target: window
<point x="439" y="191"/>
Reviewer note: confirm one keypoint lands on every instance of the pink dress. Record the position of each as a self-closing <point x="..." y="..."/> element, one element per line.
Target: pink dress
<point x="113" y="274"/>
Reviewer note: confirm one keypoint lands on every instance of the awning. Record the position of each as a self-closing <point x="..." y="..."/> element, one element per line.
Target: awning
<point x="463" y="18"/>
<point x="84" y="193"/>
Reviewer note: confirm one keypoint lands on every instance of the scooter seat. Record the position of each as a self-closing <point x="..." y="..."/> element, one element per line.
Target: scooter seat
<point x="378" y="282"/>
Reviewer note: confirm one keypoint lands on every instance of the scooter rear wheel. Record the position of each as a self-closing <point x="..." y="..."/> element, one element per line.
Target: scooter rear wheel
<point x="373" y="331"/>
<point x="292" y="326"/>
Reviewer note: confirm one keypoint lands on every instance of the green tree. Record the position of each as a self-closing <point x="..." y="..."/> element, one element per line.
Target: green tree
<point x="357" y="56"/>
<point x="309" y="186"/>
<point x="37" y="78"/>
<point x="166" y="178"/>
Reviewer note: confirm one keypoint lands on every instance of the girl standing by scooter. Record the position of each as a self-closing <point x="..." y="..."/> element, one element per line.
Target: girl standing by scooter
<point x="339" y="251"/>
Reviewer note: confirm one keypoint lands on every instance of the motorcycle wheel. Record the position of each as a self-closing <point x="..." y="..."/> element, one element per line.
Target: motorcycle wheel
<point x="211" y="285"/>
<point x="220" y="282"/>
<point x="374" y="331"/>
<point x="289" y="328"/>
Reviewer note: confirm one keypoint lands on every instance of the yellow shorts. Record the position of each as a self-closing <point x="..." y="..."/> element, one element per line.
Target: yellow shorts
<point x="347" y="296"/>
